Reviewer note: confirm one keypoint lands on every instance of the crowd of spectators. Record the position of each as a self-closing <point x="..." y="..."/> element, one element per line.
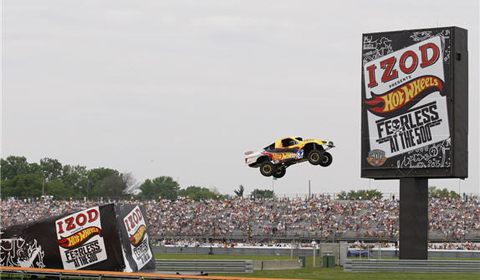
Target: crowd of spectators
<point x="454" y="220"/>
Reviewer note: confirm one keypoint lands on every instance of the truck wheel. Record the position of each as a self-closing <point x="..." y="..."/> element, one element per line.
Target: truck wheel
<point x="267" y="169"/>
<point x="326" y="159"/>
<point x="280" y="172"/>
<point x="314" y="157"/>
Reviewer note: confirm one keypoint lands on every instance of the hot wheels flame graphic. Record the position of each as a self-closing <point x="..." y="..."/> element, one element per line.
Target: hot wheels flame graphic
<point x="79" y="238"/>
<point x="405" y="96"/>
<point x="136" y="238"/>
<point x="281" y="156"/>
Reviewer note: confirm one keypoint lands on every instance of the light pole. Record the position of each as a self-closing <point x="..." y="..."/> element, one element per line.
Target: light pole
<point x="88" y="186"/>
<point x="43" y="186"/>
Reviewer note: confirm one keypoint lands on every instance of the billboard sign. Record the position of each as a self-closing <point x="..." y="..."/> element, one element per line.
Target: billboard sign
<point x="414" y="100"/>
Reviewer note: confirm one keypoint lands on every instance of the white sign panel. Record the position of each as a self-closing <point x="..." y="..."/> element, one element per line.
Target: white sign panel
<point x="137" y="232"/>
<point x="406" y="105"/>
<point x="79" y="238"/>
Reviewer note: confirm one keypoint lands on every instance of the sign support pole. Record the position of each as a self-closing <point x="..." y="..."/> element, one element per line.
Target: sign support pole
<point x="414" y="218"/>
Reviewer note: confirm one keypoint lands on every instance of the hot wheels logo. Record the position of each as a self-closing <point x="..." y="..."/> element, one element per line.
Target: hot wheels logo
<point x="79" y="238"/>
<point x="282" y="156"/>
<point x="138" y="235"/>
<point x="404" y="97"/>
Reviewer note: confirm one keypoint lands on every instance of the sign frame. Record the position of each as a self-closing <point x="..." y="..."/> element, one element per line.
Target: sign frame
<point x="393" y="63"/>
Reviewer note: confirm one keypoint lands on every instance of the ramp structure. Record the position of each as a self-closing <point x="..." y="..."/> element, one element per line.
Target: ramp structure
<point x="112" y="237"/>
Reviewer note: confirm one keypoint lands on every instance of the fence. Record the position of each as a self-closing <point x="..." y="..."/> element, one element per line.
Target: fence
<point x="204" y="266"/>
<point x="412" y="266"/>
<point x="257" y="251"/>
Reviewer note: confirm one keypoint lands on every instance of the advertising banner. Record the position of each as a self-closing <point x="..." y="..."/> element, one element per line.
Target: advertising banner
<point x="94" y="239"/>
<point x="80" y="239"/>
<point x="135" y="233"/>
<point x="408" y="94"/>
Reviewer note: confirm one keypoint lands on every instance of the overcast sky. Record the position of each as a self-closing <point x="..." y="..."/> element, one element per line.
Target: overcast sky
<point x="183" y="88"/>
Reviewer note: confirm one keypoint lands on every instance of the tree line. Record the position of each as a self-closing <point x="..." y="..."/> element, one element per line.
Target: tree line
<point x="375" y="194"/>
<point x="21" y="179"/>
<point x="49" y="177"/>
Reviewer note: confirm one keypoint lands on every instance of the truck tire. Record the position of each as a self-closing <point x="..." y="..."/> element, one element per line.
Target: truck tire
<point x="280" y="172"/>
<point x="327" y="159"/>
<point x="267" y="169"/>
<point x="314" y="157"/>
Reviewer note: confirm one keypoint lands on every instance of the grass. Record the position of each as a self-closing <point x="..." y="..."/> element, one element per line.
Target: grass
<point x="310" y="272"/>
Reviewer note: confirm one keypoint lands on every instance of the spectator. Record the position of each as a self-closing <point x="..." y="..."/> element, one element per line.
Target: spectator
<point x="451" y="219"/>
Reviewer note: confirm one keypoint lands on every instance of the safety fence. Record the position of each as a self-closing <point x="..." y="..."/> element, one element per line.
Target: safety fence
<point x="412" y="266"/>
<point x="204" y="266"/>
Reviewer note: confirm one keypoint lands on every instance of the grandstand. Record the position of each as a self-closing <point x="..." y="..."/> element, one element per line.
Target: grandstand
<point x="320" y="218"/>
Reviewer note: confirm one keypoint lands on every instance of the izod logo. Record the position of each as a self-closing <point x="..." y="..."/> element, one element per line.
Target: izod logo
<point x="388" y="69"/>
<point x="133" y="219"/>
<point x="79" y="220"/>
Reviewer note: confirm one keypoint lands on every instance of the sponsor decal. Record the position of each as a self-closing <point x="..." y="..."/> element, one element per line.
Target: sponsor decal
<point x="403" y="97"/>
<point x="79" y="237"/>
<point x="376" y="158"/>
<point x="138" y="236"/>
<point x="299" y="154"/>
<point x="136" y="228"/>
<point x="405" y="102"/>
<point x="80" y="241"/>
<point x="282" y="157"/>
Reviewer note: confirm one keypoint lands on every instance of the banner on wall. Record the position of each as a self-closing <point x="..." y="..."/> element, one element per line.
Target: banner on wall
<point x="415" y="103"/>
<point x="109" y="237"/>
<point x="138" y="247"/>
<point x="80" y="239"/>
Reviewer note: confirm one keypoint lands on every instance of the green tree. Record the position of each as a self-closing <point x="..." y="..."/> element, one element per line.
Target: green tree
<point x="198" y="193"/>
<point x="58" y="190"/>
<point x="239" y="192"/>
<point x="342" y="195"/>
<point x="13" y="166"/>
<point x="112" y="186"/>
<point x="52" y="169"/>
<point x="75" y="177"/>
<point x="434" y="192"/>
<point x="95" y="179"/>
<point x="61" y="181"/>
<point x="360" y="194"/>
<point x="163" y="186"/>
<point x="23" y="186"/>
<point x="217" y="193"/>
<point x="98" y="174"/>
<point x="262" y="193"/>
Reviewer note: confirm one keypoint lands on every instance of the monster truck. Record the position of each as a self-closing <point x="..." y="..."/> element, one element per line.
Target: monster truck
<point x="274" y="159"/>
